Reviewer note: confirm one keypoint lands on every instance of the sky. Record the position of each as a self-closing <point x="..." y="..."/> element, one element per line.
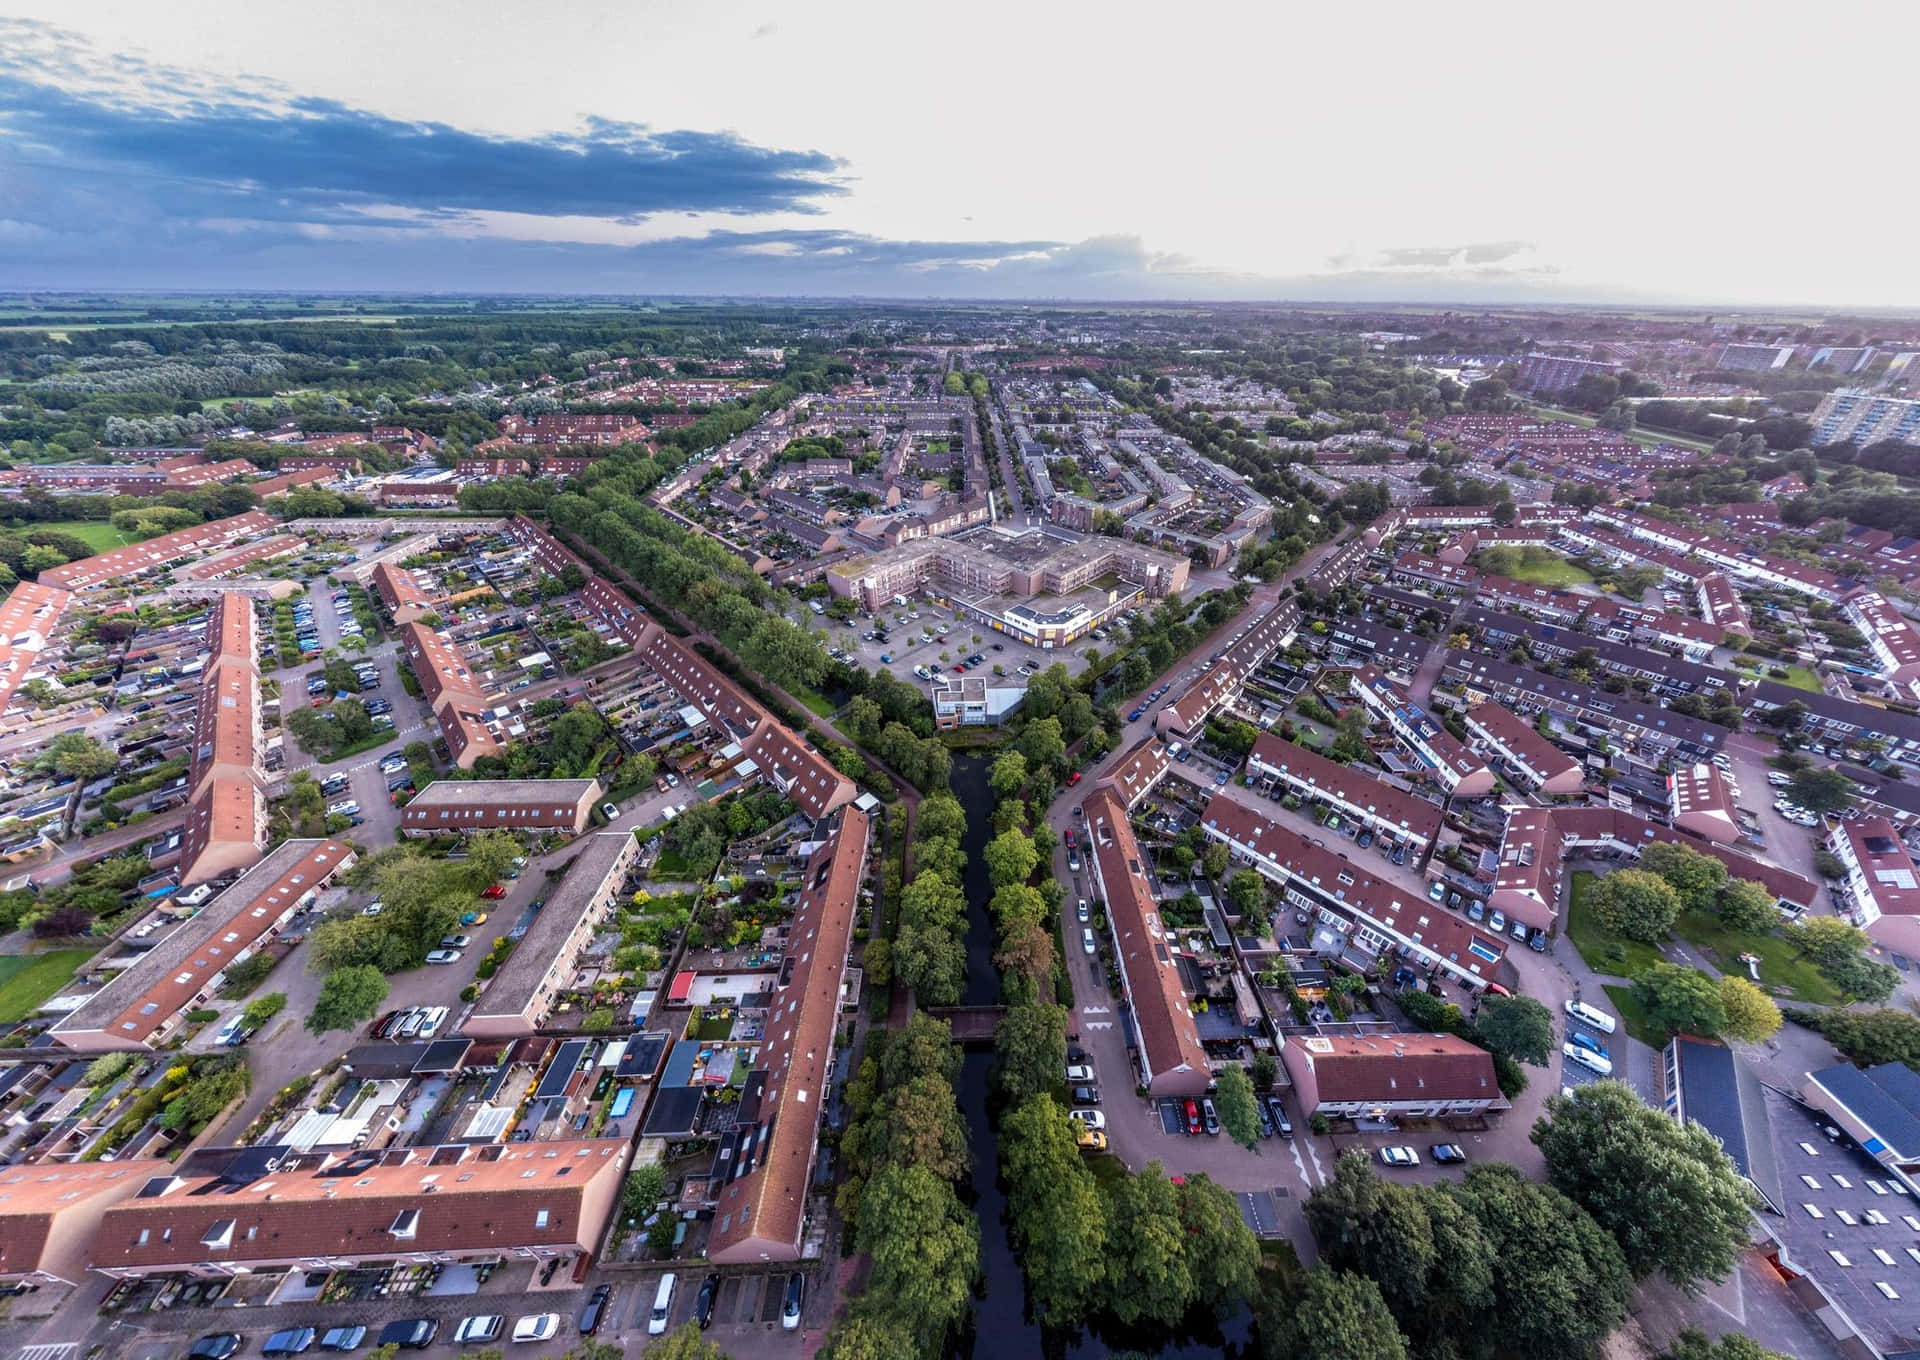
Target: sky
<point x="1687" y="151"/>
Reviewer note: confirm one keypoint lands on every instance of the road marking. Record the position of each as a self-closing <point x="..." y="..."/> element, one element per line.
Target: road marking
<point x="54" y="1350"/>
<point x="1096" y="1010"/>
<point x="1098" y="1024"/>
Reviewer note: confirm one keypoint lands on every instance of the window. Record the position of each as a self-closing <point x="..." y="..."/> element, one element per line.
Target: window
<point x="540" y="1218"/>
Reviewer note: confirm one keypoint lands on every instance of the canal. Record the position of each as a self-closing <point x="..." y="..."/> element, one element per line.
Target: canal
<point x="1002" y="1329"/>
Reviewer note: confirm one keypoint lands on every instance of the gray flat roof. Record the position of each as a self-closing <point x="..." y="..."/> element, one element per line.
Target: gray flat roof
<point x="503" y="792"/>
<point x="1885" y="1098"/>
<point x="526" y="968"/>
<point x="1836" y="1178"/>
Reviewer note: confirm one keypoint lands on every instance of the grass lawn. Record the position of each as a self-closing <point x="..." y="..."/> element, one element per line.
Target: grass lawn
<point x="1802" y="678"/>
<point x="1781" y="974"/>
<point x="1593" y="940"/>
<point x="95" y="533"/>
<point x="1634" y="1016"/>
<point x="28" y="979"/>
<point x="814" y="700"/>
<point x="670" y="866"/>
<point x="1552" y="573"/>
<point x="1639" y="436"/>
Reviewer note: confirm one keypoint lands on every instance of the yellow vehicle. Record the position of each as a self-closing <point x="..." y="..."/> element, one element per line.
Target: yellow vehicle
<point x="1093" y="1140"/>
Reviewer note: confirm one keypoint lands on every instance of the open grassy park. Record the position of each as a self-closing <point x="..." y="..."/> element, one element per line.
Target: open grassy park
<point x="26" y="980"/>
<point x="95" y="533"/>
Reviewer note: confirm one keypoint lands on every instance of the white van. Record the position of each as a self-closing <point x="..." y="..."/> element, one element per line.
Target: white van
<point x="662" y="1305"/>
<point x="1588" y="1059"/>
<point x="1590" y="1015"/>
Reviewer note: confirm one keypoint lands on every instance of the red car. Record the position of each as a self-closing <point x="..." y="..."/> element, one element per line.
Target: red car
<point x="1193" y="1119"/>
<point x="1070" y="840"/>
<point x="496" y="891"/>
<point x="1073" y="779"/>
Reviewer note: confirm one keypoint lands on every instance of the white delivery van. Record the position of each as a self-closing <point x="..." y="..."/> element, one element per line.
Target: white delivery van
<point x="1590" y="1015"/>
<point x="1588" y="1059"/>
<point x="662" y="1305"/>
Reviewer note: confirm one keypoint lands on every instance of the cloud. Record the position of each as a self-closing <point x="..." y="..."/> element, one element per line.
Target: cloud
<point x="288" y="155"/>
<point x="1442" y="257"/>
<point x="765" y="31"/>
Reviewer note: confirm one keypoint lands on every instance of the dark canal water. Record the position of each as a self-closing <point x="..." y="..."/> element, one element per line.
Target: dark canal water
<point x="1002" y="1330"/>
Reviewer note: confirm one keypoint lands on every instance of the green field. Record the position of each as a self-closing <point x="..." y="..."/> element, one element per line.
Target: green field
<point x="95" y="533"/>
<point x="1594" y="941"/>
<point x="1638" y="436"/>
<point x="1551" y="572"/>
<point x="26" y="980"/>
<point x="1781" y="973"/>
<point x="1802" y="678"/>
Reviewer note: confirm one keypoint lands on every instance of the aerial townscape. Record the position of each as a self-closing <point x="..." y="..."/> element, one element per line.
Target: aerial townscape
<point x="619" y="739"/>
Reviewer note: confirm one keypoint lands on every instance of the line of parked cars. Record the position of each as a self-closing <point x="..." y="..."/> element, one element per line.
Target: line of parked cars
<point x="791" y="1305"/>
<point x="412" y="1022"/>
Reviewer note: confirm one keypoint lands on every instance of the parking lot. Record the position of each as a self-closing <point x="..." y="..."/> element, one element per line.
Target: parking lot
<point x="907" y="649"/>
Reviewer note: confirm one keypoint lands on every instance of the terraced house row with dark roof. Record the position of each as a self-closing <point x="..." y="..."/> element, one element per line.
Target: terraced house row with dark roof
<point x="142" y="1006"/>
<point x="226" y="826"/>
<point x="1366" y="915"/>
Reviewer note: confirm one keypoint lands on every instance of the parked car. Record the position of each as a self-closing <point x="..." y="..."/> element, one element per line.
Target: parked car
<point x="1209" y="1117"/>
<point x="343" y="1339"/>
<point x="1091" y="1140"/>
<point x="1591" y="1016"/>
<point x="1091" y="1119"/>
<point x="1087" y="941"/>
<point x="594" y="1310"/>
<point x="1447" y="1154"/>
<point x="703" y="1302"/>
<point x="1079" y="1073"/>
<point x="480" y="1327"/>
<point x="214" y="1346"/>
<point x="795" y="1301"/>
<point x="439" y="956"/>
<point x="414" y="1334"/>
<point x="1588" y="1042"/>
<point x="1086" y="1095"/>
<point x="494" y="893"/>
<point x="1399" y="1156"/>
<point x="662" y="1304"/>
<point x="1192" y="1111"/>
<point x="536" y="1327"/>
<point x="1280" y="1120"/>
<point x="1593" y="1062"/>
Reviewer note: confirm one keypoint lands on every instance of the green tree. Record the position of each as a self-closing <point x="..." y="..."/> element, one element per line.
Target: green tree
<point x="1746" y="905"/>
<point x="1869" y="1038"/>
<point x="1561" y="1283"/>
<point x="1221" y="1250"/>
<point x="1238" y="1114"/>
<point x="1517" y="1026"/>
<point x="868" y="1332"/>
<point x="1058" y="1219"/>
<point x="1635" y="903"/>
<point x="1860" y="978"/>
<point x="1248" y="893"/>
<point x="1680" y="1000"/>
<point x="1667" y="1192"/>
<point x="1008" y="775"/>
<point x="1041" y="742"/>
<point x="1820" y="788"/>
<point x="262" y="1009"/>
<point x="1032" y="1046"/>
<point x="1010" y="857"/>
<point x="77" y="756"/>
<point x="1697" y="878"/>
<point x="491" y="854"/>
<point x="1433" y="1264"/>
<point x="1215" y="859"/>
<point x="1335" y="1315"/>
<point x="347" y="996"/>
<point x="1148" y="1275"/>
<point x="1694" y="1344"/>
<point x="1824" y="939"/>
<point x="925" y="1250"/>
<point x="1751" y="1013"/>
